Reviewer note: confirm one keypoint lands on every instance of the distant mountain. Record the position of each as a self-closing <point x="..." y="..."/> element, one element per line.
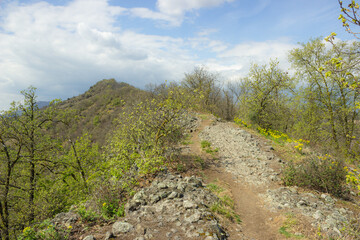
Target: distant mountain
<point x="42" y="104"/>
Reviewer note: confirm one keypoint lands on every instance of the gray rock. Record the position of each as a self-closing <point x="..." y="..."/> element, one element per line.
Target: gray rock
<point x="121" y="227"/>
<point x="109" y="235"/>
<point x="90" y="237"/>
<point x="194" y="217"/>
<point x="318" y="215"/>
<point x="162" y="185"/>
<point x="154" y="198"/>
<point x="172" y="195"/>
<point x="65" y="219"/>
<point x="189" y="204"/>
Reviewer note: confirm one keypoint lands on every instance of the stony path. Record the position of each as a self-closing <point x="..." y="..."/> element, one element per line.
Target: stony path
<point x="247" y="165"/>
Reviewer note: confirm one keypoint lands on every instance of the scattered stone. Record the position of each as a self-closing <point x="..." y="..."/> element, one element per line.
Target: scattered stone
<point x="121" y="227"/>
<point x="90" y="237"/>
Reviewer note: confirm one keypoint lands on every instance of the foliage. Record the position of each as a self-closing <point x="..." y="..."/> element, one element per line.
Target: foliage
<point x="349" y="15"/>
<point x="26" y="161"/>
<point x="328" y="108"/>
<point x="141" y="141"/>
<point x="265" y="94"/>
<point x="353" y="178"/>
<point x="44" y="231"/>
<point x="241" y="123"/>
<point x="205" y="88"/>
<point x="206" y="146"/>
<point x="324" y="174"/>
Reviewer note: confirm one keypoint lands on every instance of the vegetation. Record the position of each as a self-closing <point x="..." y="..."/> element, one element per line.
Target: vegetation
<point x="225" y="205"/>
<point x="89" y="151"/>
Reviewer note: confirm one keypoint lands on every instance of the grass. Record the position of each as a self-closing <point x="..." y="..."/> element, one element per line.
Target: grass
<point x="287" y="228"/>
<point x="204" y="116"/>
<point x="225" y="206"/>
<point x="206" y="146"/>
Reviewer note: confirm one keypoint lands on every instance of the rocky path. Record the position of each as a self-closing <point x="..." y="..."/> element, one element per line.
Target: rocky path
<point x="251" y="170"/>
<point x="175" y="207"/>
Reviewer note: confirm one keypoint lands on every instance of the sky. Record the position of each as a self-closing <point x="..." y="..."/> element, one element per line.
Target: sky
<point x="62" y="47"/>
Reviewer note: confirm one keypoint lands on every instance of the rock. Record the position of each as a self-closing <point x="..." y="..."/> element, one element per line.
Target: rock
<point x="154" y="198"/>
<point x="109" y="235"/>
<point x="188" y="204"/>
<point x="140" y="229"/>
<point x="89" y="237"/>
<point x="194" y="217"/>
<point x="302" y="203"/>
<point x="121" y="227"/>
<point x="162" y="185"/>
<point x="139" y="238"/>
<point x="173" y="195"/>
<point x="65" y="219"/>
<point x="318" y="215"/>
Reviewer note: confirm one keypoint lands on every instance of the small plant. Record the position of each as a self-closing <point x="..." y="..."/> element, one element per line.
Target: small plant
<point x="44" y="231"/>
<point x="324" y="174"/>
<point x="225" y="205"/>
<point x="87" y="215"/>
<point x="180" y="167"/>
<point x="286" y="228"/>
<point x="206" y="146"/>
<point x="351" y="229"/>
<point x="200" y="161"/>
<point x="215" y="188"/>
<point x="28" y="233"/>
<point x="110" y="210"/>
<point x="241" y="123"/>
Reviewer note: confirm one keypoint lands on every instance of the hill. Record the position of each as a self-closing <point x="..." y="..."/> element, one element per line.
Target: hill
<point x="97" y="108"/>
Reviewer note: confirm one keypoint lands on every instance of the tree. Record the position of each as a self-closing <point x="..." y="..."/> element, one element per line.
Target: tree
<point x="25" y="156"/>
<point x="264" y="94"/>
<point x="10" y="155"/>
<point x="204" y="83"/>
<point x="325" y="91"/>
<point x="350" y="15"/>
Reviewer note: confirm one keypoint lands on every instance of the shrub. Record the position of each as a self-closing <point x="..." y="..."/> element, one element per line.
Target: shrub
<point x="319" y="173"/>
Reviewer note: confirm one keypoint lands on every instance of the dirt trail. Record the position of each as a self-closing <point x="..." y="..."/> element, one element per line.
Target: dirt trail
<point x="257" y="221"/>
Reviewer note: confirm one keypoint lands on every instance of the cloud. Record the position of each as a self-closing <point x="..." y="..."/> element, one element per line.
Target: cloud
<point x="207" y="32"/>
<point x="62" y="50"/>
<point x="179" y="7"/>
<point x="173" y="11"/>
<point x="260" y="52"/>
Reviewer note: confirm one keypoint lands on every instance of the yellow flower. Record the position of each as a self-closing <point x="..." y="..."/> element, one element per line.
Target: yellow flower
<point x="69" y="227"/>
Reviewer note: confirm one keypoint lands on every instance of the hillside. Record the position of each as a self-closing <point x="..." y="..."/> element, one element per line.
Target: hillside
<point x="97" y="108"/>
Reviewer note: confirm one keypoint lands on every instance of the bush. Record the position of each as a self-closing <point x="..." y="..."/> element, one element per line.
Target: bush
<point x="319" y="173"/>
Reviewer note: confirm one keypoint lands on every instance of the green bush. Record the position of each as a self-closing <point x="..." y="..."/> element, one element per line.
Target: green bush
<point x="323" y="174"/>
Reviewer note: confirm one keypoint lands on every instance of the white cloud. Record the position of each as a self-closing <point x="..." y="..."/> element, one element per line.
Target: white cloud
<point x="207" y="32"/>
<point x="179" y="7"/>
<point x="260" y="52"/>
<point x="205" y="43"/>
<point x="173" y="11"/>
<point x="62" y="50"/>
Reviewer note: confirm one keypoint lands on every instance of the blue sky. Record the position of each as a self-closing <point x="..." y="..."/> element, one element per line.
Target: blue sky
<point x="62" y="47"/>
